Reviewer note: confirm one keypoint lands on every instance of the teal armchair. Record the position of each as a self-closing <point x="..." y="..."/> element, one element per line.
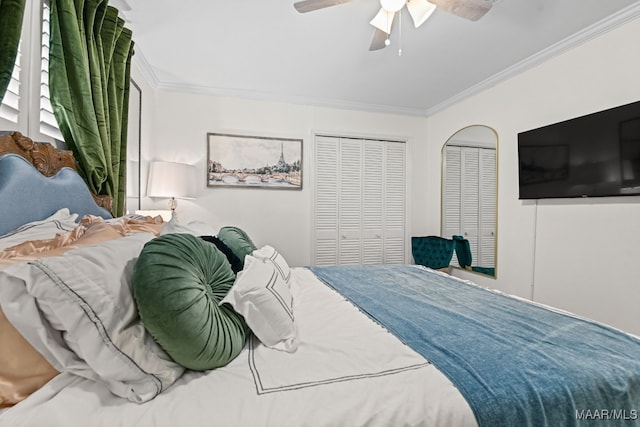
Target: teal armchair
<point x="463" y="251"/>
<point x="432" y="251"/>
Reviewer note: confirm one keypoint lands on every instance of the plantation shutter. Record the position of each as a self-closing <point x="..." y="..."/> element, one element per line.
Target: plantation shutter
<point x="48" y="122"/>
<point x="10" y="106"/>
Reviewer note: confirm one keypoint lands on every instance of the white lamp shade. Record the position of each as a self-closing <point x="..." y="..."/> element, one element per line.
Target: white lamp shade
<point x="171" y="179"/>
<point x="420" y="11"/>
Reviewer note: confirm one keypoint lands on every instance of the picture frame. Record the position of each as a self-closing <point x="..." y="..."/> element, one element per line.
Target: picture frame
<point x="248" y="161"/>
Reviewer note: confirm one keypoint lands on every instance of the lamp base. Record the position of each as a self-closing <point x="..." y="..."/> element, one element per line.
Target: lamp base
<point x="173" y="204"/>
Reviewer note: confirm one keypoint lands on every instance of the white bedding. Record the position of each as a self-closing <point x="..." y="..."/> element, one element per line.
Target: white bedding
<point x="61" y="221"/>
<point x="86" y="294"/>
<point x="347" y="371"/>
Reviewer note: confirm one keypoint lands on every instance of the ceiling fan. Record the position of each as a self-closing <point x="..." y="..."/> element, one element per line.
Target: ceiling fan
<point x="420" y="11"/>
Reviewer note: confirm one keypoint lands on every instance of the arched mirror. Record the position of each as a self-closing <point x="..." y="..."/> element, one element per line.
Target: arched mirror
<point x="469" y="194"/>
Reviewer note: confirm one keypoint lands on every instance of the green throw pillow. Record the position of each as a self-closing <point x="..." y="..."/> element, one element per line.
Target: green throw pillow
<point x="178" y="281"/>
<point x="237" y="240"/>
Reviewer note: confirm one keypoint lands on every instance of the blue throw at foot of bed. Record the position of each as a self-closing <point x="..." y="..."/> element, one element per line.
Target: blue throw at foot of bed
<point x="516" y="363"/>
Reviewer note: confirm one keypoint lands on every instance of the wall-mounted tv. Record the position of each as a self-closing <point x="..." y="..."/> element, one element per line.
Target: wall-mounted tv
<point x="590" y="156"/>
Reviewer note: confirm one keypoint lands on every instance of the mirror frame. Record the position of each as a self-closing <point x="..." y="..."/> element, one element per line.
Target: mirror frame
<point x="442" y="185"/>
<point x="134" y="146"/>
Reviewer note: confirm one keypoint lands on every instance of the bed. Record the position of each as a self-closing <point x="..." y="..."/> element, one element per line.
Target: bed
<point x="92" y="310"/>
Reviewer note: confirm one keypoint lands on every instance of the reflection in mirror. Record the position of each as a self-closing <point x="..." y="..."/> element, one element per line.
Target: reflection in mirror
<point x="469" y="194"/>
<point x="133" y="147"/>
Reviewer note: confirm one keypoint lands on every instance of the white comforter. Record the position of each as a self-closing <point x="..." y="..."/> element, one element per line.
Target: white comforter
<point x="347" y="371"/>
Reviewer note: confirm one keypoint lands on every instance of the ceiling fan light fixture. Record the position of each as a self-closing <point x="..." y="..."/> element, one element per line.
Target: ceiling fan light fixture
<point x="392" y="5"/>
<point x="420" y="11"/>
<point x="383" y="20"/>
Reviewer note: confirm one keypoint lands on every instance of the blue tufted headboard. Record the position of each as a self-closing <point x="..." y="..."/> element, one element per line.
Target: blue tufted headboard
<point x="27" y="195"/>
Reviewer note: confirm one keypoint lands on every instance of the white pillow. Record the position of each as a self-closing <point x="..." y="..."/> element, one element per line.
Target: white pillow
<point x="60" y="222"/>
<point x="77" y="310"/>
<point x="270" y="255"/>
<point x="262" y="296"/>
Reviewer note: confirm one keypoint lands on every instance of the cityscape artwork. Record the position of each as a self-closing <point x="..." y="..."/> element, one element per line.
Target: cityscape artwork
<point x="245" y="161"/>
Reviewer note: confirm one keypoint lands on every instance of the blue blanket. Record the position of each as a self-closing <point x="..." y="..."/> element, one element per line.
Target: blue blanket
<point x="516" y="363"/>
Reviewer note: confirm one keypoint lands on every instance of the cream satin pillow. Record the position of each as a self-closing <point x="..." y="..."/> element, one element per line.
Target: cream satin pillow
<point x="22" y="369"/>
<point x="60" y="222"/>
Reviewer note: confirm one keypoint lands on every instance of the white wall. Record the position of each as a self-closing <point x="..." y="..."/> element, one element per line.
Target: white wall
<point x="281" y="218"/>
<point x="573" y="254"/>
<point x="578" y="255"/>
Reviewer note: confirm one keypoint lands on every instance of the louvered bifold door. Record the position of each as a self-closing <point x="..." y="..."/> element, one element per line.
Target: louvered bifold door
<point x="359" y="201"/>
<point x="470" y="198"/>
<point x="350" y="201"/>
<point x="395" y="202"/>
<point x="451" y="194"/>
<point x="326" y="200"/>
<point x="487" y="209"/>
<point x="373" y="202"/>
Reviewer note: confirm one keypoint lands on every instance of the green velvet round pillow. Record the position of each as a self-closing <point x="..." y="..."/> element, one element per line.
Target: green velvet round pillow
<point x="237" y="240"/>
<point x="178" y="281"/>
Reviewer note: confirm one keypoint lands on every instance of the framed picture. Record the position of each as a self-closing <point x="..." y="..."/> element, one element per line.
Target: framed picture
<point x="244" y="161"/>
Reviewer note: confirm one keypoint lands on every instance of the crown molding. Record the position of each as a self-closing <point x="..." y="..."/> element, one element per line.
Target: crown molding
<point x="254" y="95"/>
<point x="151" y="77"/>
<point x="623" y="16"/>
<point x="146" y="69"/>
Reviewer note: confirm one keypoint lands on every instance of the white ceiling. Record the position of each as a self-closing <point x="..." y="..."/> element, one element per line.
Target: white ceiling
<point x="266" y="50"/>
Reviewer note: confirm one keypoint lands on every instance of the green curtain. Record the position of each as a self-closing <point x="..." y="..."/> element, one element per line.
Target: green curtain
<point x="11" y="14"/>
<point x="89" y="77"/>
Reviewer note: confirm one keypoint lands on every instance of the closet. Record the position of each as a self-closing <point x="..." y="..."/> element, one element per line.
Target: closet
<point x="359" y="201"/>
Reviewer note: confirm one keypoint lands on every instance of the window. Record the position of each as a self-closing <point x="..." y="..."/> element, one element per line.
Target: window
<point x="28" y="93"/>
<point x="48" y="123"/>
<point x="10" y="107"/>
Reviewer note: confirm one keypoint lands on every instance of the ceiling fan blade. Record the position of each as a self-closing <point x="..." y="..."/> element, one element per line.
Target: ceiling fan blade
<point x="383" y="20"/>
<point x="378" y="41"/>
<point x="420" y="11"/>
<point x="468" y="9"/>
<point x="311" y="5"/>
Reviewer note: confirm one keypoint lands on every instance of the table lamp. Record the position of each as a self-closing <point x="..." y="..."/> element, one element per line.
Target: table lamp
<point x="172" y="180"/>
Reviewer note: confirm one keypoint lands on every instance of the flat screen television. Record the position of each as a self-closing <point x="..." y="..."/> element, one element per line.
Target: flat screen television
<point x="590" y="156"/>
